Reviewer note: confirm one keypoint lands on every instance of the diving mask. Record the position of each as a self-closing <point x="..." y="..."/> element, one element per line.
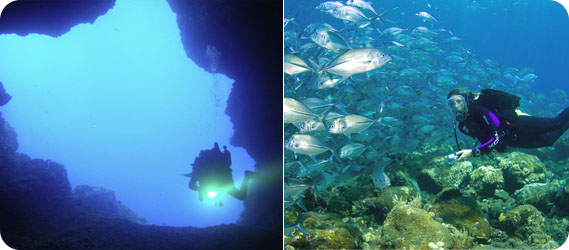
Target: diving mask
<point x="457" y="103"/>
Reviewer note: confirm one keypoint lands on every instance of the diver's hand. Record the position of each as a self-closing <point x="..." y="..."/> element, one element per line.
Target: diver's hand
<point x="464" y="154"/>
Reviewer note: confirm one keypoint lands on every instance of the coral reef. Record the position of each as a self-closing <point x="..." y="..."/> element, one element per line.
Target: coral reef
<point x="440" y="175"/>
<point x="380" y="205"/>
<point x="413" y="228"/>
<point x="486" y="179"/>
<point x="326" y="230"/>
<point x="520" y="169"/>
<point x="523" y="222"/>
<point x="472" y="208"/>
<point x="540" y="195"/>
<point x="463" y="213"/>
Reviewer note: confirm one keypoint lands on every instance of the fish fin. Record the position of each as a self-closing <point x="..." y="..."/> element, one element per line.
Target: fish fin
<point x="301" y="228"/>
<point x="299" y="85"/>
<point x="313" y="158"/>
<point x="333" y="155"/>
<point x="341" y="108"/>
<point x="301" y="206"/>
<point x="324" y="114"/>
<point x="317" y="192"/>
<point x="358" y="90"/>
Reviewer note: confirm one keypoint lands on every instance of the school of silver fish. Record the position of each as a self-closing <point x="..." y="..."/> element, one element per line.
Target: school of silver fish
<point x="355" y="93"/>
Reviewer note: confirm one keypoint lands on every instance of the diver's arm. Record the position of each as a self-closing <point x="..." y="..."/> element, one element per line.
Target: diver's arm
<point x="492" y="123"/>
<point x="193" y="185"/>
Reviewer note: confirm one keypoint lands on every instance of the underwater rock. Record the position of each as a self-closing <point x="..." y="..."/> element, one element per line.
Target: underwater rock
<point x="371" y="238"/>
<point x="4" y="97"/>
<point x="502" y="194"/>
<point x="485" y="180"/>
<point x="462" y="212"/>
<point x="327" y="231"/>
<point x="441" y="175"/>
<point x="522" y="222"/>
<point x="494" y="207"/>
<point x="380" y="205"/>
<point x="562" y="196"/>
<point x="558" y="227"/>
<point x="8" y="138"/>
<point x="35" y="196"/>
<point x="561" y="149"/>
<point x="520" y="169"/>
<point x="540" y="195"/>
<point x="101" y="202"/>
<point x="414" y="228"/>
<point x="341" y="199"/>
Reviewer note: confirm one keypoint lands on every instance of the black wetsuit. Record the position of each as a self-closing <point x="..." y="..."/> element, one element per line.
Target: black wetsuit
<point x="497" y="133"/>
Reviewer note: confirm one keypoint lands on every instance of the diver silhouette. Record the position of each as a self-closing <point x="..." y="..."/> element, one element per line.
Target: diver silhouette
<point x="211" y="174"/>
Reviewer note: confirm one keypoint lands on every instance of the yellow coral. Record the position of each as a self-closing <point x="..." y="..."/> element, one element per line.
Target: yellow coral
<point x="502" y="217"/>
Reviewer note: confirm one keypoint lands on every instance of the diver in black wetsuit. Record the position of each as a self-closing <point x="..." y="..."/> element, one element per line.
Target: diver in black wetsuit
<point x="495" y="124"/>
<point x="211" y="169"/>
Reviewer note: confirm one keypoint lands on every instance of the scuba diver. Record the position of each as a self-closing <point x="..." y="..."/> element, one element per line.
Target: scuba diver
<point x="491" y="118"/>
<point x="211" y="170"/>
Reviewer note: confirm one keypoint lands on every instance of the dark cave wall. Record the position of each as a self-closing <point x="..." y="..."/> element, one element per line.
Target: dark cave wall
<point x="50" y="17"/>
<point x="248" y="34"/>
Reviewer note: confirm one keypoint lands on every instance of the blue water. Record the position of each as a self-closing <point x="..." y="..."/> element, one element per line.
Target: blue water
<point x="122" y="107"/>
<point x="521" y="33"/>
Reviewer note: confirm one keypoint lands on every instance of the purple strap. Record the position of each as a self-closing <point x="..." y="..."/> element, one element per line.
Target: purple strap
<point x="494" y="119"/>
<point x="485" y="144"/>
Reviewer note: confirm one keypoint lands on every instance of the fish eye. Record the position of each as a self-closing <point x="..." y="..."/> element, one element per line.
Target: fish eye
<point x="296" y="145"/>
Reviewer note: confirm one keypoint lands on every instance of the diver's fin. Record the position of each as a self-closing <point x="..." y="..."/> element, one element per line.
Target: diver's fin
<point x="187" y="175"/>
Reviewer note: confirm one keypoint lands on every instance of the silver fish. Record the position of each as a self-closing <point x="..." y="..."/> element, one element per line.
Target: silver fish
<point x="295" y="111"/>
<point x="357" y="61"/>
<point x="314" y="27"/>
<point x="330" y="40"/>
<point x="363" y="5"/>
<point x="306" y="145"/>
<point x="351" y="124"/>
<point x="351" y="14"/>
<point x="380" y="179"/>
<point x="393" y="31"/>
<point x="316" y="125"/>
<point x="426" y="17"/>
<point x="310" y="126"/>
<point x="324" y="81"/>
<point x="328" y="6"/>
<point x="294" y="187"/>
<point x="352" y="150"/>
<point x="293" y="65"/>
<point x="318" y="106"/>
<point x="286" y="21"/>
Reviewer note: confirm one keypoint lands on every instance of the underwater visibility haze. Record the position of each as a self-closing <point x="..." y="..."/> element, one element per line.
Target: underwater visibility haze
<point x="369" y="117"/>
<point x="118" y="103"/>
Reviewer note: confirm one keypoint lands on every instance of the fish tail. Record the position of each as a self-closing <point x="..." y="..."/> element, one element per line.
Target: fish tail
<point x="316" y="68"/>
<point x="300" y="227"/>
<point x="380" y="17"/>
<point x="333" y="155"/>
<point x="380" y="110"/>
